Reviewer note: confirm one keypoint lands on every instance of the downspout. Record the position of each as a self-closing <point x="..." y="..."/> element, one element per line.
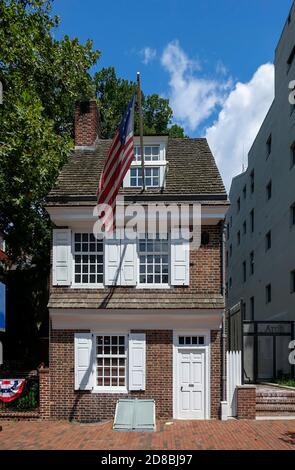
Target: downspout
<point x="224" y="406"/>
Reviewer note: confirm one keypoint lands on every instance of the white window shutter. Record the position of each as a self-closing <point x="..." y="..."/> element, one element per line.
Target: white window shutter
<point x="61" y="265"/>
<point x="112" y="262"/>
<point x="128" y="263"/>
<point x="83" y="361"/>
<point x="179" y="262"/>
<point x="137" y="360"/>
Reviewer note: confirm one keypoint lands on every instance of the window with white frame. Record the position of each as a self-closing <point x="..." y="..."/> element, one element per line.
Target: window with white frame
<point x="88" y="259"/>
<point x="152" y="177"/>
<point x="151" y="153"/>
<point x="111" y="361"/>
<point x="153" y="259"/>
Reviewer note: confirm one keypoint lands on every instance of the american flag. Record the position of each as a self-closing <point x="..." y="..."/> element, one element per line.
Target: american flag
<point x="116" y="165"/>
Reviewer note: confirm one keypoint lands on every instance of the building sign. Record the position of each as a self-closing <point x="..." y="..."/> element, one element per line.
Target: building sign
<point x="2" y="306"/>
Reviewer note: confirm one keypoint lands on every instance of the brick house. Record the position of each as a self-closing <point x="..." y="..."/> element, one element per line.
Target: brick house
<point x="139" y="318"/>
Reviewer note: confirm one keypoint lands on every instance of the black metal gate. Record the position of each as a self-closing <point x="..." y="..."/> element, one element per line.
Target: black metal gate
<point x="266" y="350"/>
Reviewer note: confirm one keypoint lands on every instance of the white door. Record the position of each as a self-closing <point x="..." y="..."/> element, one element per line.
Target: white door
<point x="191" y="383"/>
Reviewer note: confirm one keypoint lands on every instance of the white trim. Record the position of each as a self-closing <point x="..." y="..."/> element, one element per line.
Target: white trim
<point x="206" y="348"/>
<point x="77" y="285"/>
<point x="77" y="217"/>
<point x="110" y="389"/>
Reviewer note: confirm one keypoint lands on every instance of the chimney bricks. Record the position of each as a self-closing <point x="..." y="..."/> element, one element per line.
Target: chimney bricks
<point x="86" y="123"/>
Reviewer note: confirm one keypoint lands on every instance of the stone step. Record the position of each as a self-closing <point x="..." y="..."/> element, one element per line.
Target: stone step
<point x="275" y="400"/>
<point x="274" y="408"/>
<point x="283" y="393"/>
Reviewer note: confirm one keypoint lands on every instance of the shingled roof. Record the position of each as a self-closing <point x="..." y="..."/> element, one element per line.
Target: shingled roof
<point x="192" y="171"/>
<point x="128" y="298"/>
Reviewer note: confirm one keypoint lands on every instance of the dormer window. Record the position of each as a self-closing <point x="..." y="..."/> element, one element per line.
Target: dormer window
<point x="154" y="164"/>
<point x="151" y="153"/>
<point x="152" y="177"/>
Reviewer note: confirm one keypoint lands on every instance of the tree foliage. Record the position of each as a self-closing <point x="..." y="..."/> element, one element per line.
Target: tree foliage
<point x="42" y="77"/>
<point x="113" y="94"/>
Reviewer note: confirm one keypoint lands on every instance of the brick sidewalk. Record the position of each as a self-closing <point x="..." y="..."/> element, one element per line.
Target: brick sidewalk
<point x="179" y="435"/>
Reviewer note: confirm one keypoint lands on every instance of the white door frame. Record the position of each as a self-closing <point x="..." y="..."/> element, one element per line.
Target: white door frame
<point x="176" y="348"/>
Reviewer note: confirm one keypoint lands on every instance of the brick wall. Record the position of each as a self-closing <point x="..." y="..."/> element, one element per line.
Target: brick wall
<point x="246" y="402"/>
<point x="216" y="389"/>
<point x="205" y="264"/>
<point x="205" y="269"/>
<point x="66" y="403"/>
<point x="86" y="406"/>
<point x="44" y="393"/>
<point x="86" y="123"/>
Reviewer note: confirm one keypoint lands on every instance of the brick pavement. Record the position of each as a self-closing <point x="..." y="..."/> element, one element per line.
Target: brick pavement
<point x="180" y="435"/>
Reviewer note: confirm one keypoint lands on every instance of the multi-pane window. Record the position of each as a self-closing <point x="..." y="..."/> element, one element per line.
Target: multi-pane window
<point x="151" y="153"/>
<point x="152" y="176"/>
<point x="111" y="359"/>
<point x="88" y="259"/>
<point x="191" y="340"/>
<point x="153" y="259"/>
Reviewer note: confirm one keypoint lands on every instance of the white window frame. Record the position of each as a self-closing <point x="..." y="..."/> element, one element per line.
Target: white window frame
<point x="154" y="285"/>
<point x="81" y="285"/>
<point x="110" y="389"/>
<point x="152" y="176"/>
<point x="161" y="164"/>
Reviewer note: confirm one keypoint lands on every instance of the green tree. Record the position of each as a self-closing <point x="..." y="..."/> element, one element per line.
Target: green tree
<point x="42" y="77"/>
<point x="113" y="94"/>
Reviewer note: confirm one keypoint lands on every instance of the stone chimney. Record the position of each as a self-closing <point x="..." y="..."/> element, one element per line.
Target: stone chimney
<point x="86" y="123"/>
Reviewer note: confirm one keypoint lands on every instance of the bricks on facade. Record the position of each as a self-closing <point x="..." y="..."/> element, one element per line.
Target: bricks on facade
<point x="246" y="402"/>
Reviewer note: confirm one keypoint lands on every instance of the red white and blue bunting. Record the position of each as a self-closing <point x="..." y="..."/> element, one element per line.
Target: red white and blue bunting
<point x="10" y="389"/>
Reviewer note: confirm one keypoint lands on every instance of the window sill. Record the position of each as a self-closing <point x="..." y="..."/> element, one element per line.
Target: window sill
<point x="110" y="390"/>
<point x="153" y="286"/>
<point x="87" y="286"/>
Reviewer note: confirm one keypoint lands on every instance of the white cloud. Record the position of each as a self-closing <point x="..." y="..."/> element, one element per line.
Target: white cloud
<point x="242" y="107"/>
<point x="192" y="98"/>
<point x="237" y="125"/>
<point x="148" y="54"/>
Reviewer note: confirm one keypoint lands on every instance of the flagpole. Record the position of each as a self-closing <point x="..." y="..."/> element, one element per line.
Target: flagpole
<point x="140" y="129"/>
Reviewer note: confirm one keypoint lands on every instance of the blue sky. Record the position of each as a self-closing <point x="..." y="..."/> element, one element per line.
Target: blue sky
<point x="193" y="51"/>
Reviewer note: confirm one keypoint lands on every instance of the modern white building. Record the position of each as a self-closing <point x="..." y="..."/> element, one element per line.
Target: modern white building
<point x="260" y="247"/>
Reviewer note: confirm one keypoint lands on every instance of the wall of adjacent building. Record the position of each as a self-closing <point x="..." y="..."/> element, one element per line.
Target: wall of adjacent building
<point x="275" y="265"/>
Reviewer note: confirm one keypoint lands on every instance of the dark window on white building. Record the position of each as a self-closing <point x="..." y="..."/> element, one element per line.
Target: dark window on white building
<point x="268" y="293"/>
<point x="252" y="307"/>
<point x="244" y="269"/>
<point x="252" y="181"/>
<point x="268" y="241"/>
<point x="252" y="262"/>
<point x="268" y="146"/>
<point x="268" y="190"/>
<point x="252" y="220"/>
